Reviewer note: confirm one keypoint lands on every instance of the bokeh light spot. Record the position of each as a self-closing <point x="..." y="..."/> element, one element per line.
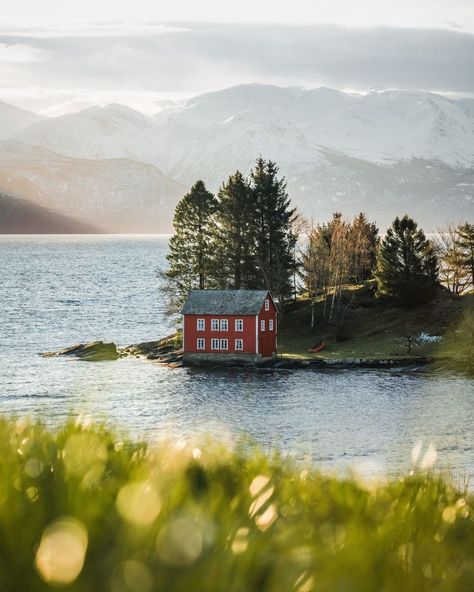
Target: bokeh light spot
<point x="138" y="503"/>
<point x="180" y="542"/>
<point x="61" y="553"/>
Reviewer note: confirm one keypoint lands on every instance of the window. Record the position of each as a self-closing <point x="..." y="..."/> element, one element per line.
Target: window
<point x="224" y="325"/>
<point x="239" y="344"/>
<point x="267" y="304"/>
<point x="201" y="324"/>
<point x="214" y="344"/>
<point x="270" y="325"/>
<point x="224" y="344"/>
<point x="239" y="324"/>
<point x="214" y="324"/>
<point x="201" y="343"/>
<point x="262" y="325"/>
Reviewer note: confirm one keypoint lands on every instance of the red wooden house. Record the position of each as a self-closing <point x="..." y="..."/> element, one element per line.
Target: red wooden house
<point x="229" y="325"/>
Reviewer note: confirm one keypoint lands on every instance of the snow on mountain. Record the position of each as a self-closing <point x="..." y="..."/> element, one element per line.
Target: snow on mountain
<point x="289" y="124"/>
<point x="13" y="120"/>
<point x="292" y="125"/>
<point x="381" y="152"/>
<point x="117" y="195"/>
<point x="114" y="131"/>
<point x="387" y="152"/>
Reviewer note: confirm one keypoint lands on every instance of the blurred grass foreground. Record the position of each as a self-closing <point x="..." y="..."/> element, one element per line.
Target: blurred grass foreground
<point x="82" y="510"/>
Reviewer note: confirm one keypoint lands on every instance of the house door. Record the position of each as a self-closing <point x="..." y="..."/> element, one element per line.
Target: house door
<point x="266" y="346"/>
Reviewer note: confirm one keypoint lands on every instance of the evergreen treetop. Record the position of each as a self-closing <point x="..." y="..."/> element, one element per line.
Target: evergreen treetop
<point x="407" y="265"/>
<point x="191" y="249"/>
<point x="272" y="228"/>
<point x="234" y="255"/>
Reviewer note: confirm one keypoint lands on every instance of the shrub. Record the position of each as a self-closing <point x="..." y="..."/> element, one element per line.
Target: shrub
<point x="82" y="509"/>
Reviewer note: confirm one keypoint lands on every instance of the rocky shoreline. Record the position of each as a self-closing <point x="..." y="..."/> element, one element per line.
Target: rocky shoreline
<point x="165" y="351"/>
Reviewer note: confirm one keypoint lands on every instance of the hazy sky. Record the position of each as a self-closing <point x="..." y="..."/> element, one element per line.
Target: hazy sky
<point x="60" y="55"/>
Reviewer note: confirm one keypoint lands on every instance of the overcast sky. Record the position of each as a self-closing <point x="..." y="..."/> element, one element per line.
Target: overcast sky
<point x="58" y="56"/>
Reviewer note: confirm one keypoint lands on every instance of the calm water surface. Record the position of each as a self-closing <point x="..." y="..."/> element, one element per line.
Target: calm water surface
<point x="58" y="291"/>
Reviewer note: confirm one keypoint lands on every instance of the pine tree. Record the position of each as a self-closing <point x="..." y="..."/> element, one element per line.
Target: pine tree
<point x="465" y="243"/>
<point x="191" y="247"/>
<point x="234" y="252"/>
<point x="407" y="265"/>
<point x="272" y="219"/>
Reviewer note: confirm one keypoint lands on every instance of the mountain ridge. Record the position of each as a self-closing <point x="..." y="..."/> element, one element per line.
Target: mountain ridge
<point x="20" y="216"/>
<point x="381" y="152"/>
<point x="120" y="195"/>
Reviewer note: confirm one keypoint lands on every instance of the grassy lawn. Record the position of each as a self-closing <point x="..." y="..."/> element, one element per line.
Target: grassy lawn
<point x="85" y="510"/>
<point x="376" y="329"/>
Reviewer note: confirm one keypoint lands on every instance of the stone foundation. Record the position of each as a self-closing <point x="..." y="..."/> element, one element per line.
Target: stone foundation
<point x="195" y="359"/>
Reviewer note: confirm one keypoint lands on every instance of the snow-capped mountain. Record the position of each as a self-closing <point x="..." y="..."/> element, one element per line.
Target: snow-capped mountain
<point x="114" y="131"/>
<point x="117" y="195"/>
<point x="383" y="126"/>
<point x="292" y="125"/>
<point x="386" y="152"/>
<point x="13" y="120"/>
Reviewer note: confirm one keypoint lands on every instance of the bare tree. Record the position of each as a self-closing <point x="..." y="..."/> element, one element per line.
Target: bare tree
<point x="453" y="272"/>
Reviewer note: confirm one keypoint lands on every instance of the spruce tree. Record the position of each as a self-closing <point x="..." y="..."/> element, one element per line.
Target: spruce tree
<point x="272" y="219"/>
<point x="465" y="243"/>
<point x="191" y="247"/>
<point x="234" y="252"/>
<point x="407" y="265"/>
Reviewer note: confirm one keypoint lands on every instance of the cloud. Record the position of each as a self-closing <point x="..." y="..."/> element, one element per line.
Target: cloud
<point x="19" y="53"/>
<point x="100" y="29"/>
<point x="114" y="58"/>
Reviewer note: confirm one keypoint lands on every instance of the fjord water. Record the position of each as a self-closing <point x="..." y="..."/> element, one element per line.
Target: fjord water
<point x="57" y="291"/>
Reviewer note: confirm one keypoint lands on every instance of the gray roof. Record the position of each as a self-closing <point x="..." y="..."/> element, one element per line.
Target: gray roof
<point x="221" y="302"/>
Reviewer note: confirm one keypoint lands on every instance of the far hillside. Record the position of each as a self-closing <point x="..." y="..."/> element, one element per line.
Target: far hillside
<point x="19" y="216"/>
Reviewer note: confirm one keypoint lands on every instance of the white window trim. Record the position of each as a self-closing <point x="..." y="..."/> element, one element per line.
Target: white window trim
<point x="267" y="304"/>
<point x="262" y="325"/>
<point x="199" y="322"/>
<point x="241" y="323"/>
<point x="222" y="323"/>
<point x="213" y="341"/>
<point x="214" y="324"/>
<point x="270" y="325"/>
<point x="239" y="342"/>
<point x="199" y="341"/>
<point x="226" y="343"/>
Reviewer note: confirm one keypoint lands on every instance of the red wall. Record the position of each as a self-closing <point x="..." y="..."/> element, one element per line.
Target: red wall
<point x="267" y="340"/>
<point x="191" y="334"/>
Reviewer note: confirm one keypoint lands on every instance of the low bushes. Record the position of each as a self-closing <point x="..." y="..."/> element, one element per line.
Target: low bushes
<point x="83" y="509"/>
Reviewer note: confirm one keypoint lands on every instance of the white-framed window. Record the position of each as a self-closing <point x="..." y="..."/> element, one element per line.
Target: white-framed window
<point x="224" y="325"/>
<point x="214" y="344"/>
<point x="214" y="324"/>
<point x="224" y="344"/>
<point x="270" y="325"/>
<point x="267" y="304"/>
<point x="201" y="324"/>
<point x="239" y="344"/>
<point x="239" y="324"/>
<point x="201" y="343"/>
<point x="262" y="325"/>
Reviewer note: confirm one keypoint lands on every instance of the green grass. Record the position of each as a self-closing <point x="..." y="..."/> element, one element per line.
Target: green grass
<point x="84" y="509"/>
<point x="377" y="329"/>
